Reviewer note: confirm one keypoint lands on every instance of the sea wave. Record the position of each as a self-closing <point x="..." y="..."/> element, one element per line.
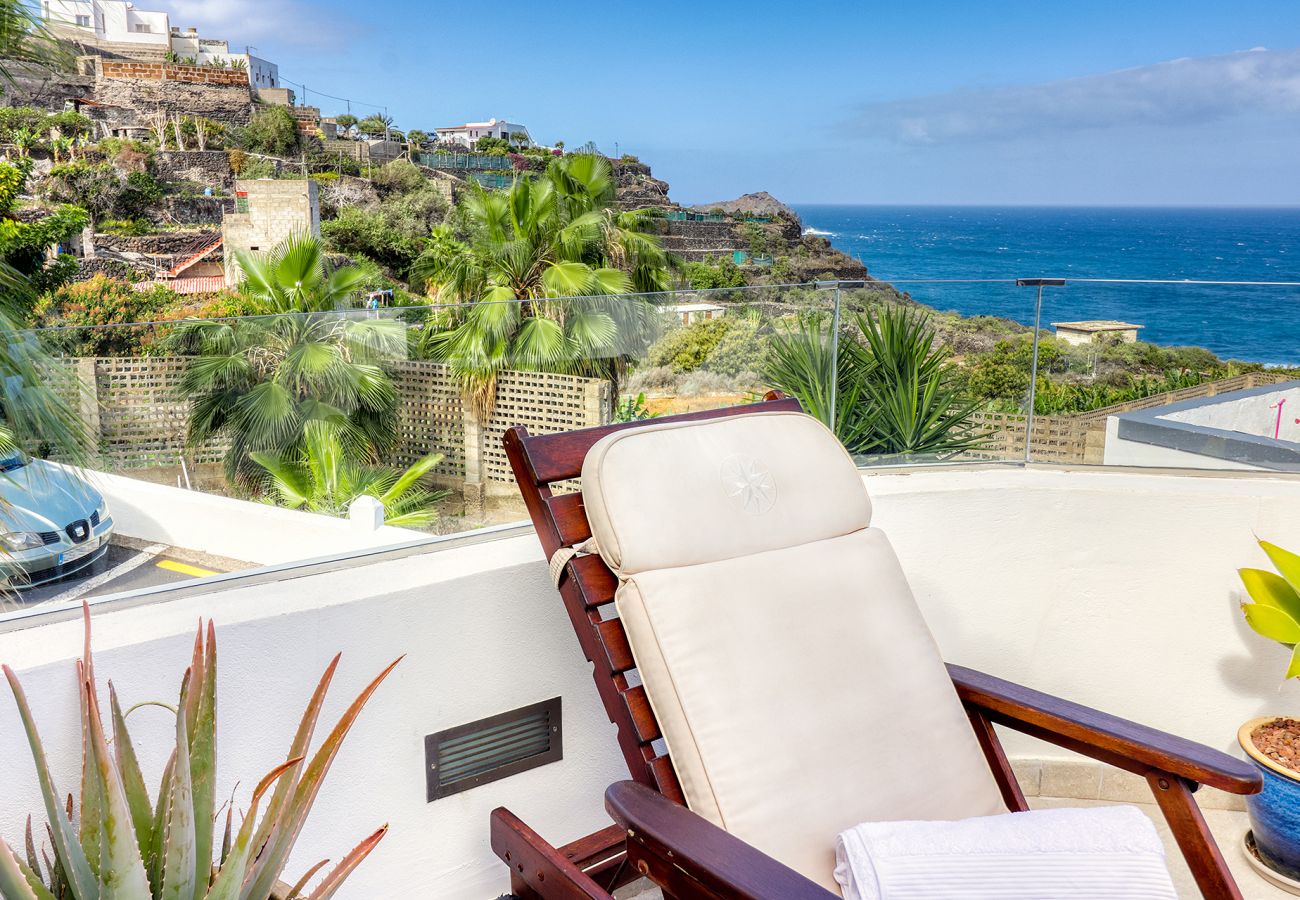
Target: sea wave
<point x="818" y="232"/>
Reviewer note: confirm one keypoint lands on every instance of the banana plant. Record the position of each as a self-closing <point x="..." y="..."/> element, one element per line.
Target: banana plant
<point x="125" y="846"/>
<point x="1275" y="614"/>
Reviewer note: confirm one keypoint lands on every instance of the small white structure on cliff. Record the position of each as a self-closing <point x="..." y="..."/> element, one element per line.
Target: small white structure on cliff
<point x="1094" y="330"/>
<point x="469" y="133"/>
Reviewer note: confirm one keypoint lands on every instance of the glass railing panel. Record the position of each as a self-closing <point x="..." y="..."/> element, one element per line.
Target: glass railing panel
<point x="1186" y="375"/>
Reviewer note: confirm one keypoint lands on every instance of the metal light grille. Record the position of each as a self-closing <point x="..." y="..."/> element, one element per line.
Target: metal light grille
<point x="469" y="755"/>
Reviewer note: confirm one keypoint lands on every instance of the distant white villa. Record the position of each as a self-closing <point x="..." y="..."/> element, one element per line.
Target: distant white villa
<point x="121" y="27"/>
<point x="469" y="133"/>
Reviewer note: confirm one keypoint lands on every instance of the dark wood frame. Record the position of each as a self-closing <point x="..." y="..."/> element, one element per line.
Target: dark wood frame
<point x="656" y="836"/>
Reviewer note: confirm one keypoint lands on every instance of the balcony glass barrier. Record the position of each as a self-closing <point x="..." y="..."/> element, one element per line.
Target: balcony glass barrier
<point x="222" y="444"/>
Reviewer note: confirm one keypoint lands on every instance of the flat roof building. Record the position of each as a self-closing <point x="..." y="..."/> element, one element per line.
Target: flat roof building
<point x="1092" y="330"/>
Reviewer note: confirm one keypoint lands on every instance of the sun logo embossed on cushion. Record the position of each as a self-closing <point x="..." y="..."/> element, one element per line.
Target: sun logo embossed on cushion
<point x="749" y="484"/>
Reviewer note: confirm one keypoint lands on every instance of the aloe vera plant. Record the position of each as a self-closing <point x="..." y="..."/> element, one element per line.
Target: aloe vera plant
<point x="118" y="844"/>
<point x="1275" y="614"/>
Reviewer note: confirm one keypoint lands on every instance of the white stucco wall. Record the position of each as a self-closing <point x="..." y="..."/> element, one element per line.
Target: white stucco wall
<point x="1121" y="452"/>
<point x="1117" y="589"/>
<point x="1258" y="414"/>
<point x="237" y="529"/>
<point x="482" y="631"/>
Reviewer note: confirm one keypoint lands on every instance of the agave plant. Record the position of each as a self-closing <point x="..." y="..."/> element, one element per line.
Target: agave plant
<point x="896" y="392"/>
<point x="129" y="847"/>
<point x="1275" y="614"/>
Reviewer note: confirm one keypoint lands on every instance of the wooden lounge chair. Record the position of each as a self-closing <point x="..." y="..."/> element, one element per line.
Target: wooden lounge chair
<point x="686" y="852"/>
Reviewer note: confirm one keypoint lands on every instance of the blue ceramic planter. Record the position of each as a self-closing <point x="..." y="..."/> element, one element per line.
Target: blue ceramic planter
<point x="1275" y="811"/>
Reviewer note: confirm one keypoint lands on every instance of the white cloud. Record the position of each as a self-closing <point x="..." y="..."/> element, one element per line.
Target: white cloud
<point x="273" y="22"/>
<point x="1179" y="92"/>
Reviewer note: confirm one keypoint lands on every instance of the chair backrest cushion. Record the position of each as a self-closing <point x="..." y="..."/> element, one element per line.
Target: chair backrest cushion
<point x="796" y="684"/>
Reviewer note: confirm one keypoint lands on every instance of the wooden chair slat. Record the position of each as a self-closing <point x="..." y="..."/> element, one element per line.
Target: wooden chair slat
<point x="643" y="717"/>
<point x="570" y="518"/>
<point x="665" y="778"/>
<point x="558" y="457"/>
<point x="618" y="652"/>
<point x="594" y="579"/>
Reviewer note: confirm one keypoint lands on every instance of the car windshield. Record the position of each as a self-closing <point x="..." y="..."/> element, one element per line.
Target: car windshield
<point x="15" y="459"/>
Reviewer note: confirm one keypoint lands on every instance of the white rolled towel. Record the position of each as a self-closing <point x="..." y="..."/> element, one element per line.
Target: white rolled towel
<point x="1099" y="853"/>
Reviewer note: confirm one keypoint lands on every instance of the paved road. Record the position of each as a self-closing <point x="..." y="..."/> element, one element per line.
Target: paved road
<point x="121" y="569"/>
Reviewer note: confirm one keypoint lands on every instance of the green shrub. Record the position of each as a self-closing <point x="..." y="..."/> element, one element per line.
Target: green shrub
<point x="101" y="301"/>
<point x="393" y="234"/>
<point x="723" y="273"/>
<point x="272" y="130"/>
<point x="728" y="346"/>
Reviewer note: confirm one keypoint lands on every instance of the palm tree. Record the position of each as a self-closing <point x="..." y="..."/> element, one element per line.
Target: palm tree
<point x="547" y="238"/>
<point x="320" y="477"/>
<point x="375" y="125"/>
<point x="261" y="381"/>
<point x="417" y="138"/>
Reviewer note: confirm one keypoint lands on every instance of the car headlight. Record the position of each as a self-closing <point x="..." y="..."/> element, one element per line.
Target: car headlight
<point x="21" y="540"/>
<point x="102" y="509"/>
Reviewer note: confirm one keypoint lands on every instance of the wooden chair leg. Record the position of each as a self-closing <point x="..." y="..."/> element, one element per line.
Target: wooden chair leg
<point x="1012" y="796"/>
<point x="1174" y="796"/>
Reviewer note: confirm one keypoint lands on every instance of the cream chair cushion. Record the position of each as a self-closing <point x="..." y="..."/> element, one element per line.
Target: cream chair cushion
<point x="798" y="688"/>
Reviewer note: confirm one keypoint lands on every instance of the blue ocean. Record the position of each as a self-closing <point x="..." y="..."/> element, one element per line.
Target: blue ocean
<point x="910" y="245"/>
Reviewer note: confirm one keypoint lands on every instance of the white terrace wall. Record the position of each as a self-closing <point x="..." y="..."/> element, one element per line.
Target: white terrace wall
<point x="1116" y="589"/>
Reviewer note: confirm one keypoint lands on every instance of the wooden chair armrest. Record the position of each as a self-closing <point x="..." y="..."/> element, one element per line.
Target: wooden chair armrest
<point x="538" y="869"/>
<point x="688" y="856"/>
<point x="1110" y="739"/>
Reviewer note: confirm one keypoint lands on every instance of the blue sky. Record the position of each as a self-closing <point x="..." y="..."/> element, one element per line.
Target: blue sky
<point x="1146" y="102"/>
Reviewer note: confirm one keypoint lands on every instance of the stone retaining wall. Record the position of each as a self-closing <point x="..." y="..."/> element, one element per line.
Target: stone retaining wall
<point x="210" y="168"/>
<point x="152" y="71"/>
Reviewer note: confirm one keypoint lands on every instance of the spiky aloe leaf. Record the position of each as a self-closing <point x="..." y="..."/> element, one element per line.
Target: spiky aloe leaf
<point x="34" y="882"/>
<point x="203" y="762"/>
<point x="178" y="844"/>
<point x="235" y="867"/>
<point x="92" y="795"/>
<point x="13" y="883"/>
<point x="81" y="879"/>
<point x="154" y="860"/>
<point x="334" y="880"/>
<point x="128" y="766"/>
<point x="286" y="830"/>
<point x="29" y="844"/>
<point x="121" y="869"/>
<point x="295" y="892"/>
<point x="299" y="746"/>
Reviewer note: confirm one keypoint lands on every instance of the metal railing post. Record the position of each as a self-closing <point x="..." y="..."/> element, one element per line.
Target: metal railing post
<point x="835" y="359"/>
<point x="1039" y="283"/>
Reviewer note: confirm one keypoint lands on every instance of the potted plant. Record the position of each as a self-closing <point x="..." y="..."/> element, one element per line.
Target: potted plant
<point x="1272" y="743"/>
<point x="117" y="842"/>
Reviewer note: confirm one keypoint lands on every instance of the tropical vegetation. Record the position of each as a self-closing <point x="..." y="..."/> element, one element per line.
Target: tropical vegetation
<point x="516" y="253"/>
<point x="321" y="478"/>
<point x="259" y="381"/>
<point x="1275" y="610"/>
<point x="893" y="391"/>
<point x="125" y="844"/>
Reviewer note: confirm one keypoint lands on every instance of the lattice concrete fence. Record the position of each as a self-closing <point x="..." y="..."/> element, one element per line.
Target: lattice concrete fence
<point x="1081" y="439"/>
<point x="134" y="406"/>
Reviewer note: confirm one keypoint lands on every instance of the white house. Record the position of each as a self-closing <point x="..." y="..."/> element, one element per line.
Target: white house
<point x="107" y="21"/>
<point x="189" y="45"/>
<point x="469" y="133"/>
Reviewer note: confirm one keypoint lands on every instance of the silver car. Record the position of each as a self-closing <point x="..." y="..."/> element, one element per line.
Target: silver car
<point x="52" y="522"/>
